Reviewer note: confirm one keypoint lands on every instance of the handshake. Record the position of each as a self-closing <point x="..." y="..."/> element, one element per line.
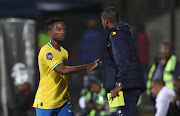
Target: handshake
<point x="92" y="65"/>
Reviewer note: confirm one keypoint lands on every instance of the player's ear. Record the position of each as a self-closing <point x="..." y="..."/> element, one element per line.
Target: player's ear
<point x="106" y="21"/>
<point x="49" y="32"/>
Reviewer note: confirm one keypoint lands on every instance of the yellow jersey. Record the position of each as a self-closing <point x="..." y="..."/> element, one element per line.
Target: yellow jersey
<point x="52" y="91"/>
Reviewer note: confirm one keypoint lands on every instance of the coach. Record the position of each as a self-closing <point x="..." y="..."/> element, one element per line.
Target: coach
<point x="120" y="62"/>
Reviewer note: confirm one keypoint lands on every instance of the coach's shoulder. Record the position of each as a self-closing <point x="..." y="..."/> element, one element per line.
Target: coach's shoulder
<point x="115" y="34"/>
<point x="115" y="31"/>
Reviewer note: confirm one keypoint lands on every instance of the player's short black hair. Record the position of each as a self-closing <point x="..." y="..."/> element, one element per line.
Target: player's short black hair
<point x="111" y="13"/>
<point x="159" y="82"/>
<point x="51" y="21"/>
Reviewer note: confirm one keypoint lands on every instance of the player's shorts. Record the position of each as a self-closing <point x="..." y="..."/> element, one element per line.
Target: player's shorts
<point x="65" y="110"/>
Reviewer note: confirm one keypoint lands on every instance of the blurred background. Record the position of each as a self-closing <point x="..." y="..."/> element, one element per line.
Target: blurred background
<point x="23" y="33"/>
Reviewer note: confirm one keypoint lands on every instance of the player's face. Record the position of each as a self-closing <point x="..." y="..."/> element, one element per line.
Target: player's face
<point x="58" y="31"/>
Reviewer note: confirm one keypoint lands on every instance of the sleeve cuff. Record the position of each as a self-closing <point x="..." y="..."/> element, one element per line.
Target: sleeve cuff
<point x="120" y="80"/>
<point x="56" y="65"/>
<point x="100" y="64"/>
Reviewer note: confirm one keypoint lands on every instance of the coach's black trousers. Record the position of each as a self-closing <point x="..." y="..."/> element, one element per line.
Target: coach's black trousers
<point x="130" y="98"/>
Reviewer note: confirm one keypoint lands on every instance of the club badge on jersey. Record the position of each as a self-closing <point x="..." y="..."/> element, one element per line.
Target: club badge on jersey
<point x="49" y="56"/>
<point x="113" y="33"/>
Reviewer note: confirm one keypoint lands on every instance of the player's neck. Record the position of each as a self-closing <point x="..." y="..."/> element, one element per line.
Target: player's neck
<point x="112" y="24"/>
<point x="56" y="44"/>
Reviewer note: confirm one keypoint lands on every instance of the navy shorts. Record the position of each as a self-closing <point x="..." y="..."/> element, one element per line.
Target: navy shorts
<point x="65" y="110"/>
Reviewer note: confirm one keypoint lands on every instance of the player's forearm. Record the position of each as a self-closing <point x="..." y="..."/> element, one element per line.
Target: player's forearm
<point x="74" y="69"/>
<point x="65" y="70"/>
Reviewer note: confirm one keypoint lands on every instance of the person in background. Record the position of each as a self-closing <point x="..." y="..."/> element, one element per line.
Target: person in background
<point x="143" y="47"/>
<point x="174" y="108"/>
<point x="24" y="98"/>
<point x="88" y="95"/>
<point x="90" y="43"/>
<point x="164" y="96"/>
<point x="93" y="101"/>
<point x="24" y="93"/>
<point x="165" y="67"/>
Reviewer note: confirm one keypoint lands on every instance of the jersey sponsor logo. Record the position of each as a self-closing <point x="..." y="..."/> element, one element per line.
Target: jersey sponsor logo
<point x="49" y="56"/>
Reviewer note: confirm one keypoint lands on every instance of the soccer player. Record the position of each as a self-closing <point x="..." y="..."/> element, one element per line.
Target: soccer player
<point x="52" y="98"/>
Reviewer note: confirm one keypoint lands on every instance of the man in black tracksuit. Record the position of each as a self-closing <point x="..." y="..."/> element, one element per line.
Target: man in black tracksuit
<point x="120" y="62"/>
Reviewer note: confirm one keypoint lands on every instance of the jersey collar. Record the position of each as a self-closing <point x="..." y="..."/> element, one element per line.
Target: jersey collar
<point x="53" y="47"/>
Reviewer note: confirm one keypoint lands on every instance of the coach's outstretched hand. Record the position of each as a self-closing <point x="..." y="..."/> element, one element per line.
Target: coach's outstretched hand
<point x="92" y="65"/>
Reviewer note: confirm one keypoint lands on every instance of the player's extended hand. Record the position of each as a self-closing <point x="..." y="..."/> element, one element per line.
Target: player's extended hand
<point x="92" y="65"/>
<point x="115" y="92"/>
